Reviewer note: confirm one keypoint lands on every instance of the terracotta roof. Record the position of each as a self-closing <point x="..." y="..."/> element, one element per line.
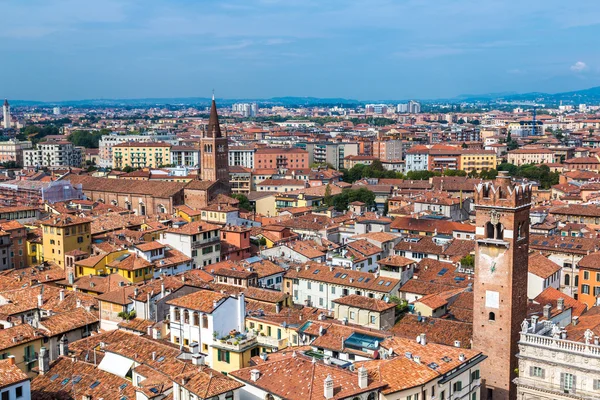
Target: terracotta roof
<point x="67" y="321"/>
<point x="194" y="228"/>
<point x="430" y="225"/>
<point x="365" y="303"/>
<point x="541" y="266"/>
<point x="396" y="261"/>
<point x="308" y="379"/>
<point x="130" y="262"/>
<point x="65" y="220"/>
<point x="203" y="300"/>
<point x="590" y="320"/>
<point x="11" y="374"/>
<point x="550" y="296"/>
<point x="150" y="246"/>
<point x="438" y="330"/>
<point x="126" y="186"/>
<point x="17" y="335"/>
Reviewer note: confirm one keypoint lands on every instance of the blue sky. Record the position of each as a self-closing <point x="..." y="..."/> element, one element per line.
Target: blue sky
<point x="369" y="49"/>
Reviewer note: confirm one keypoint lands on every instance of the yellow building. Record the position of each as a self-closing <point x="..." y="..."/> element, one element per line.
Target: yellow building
<point x="131" y="267"/>
<point x="477" y="160"/>
<point x="62" y="234"/>
<point x="188" y="213"/>
<point x="35" y="248"/>
<point x="140" y="155"/>
<point x="234" y="353"/>
<point x="219" y="214"/>
<point x="96" y="265"/>
<point x="23" y="342"/>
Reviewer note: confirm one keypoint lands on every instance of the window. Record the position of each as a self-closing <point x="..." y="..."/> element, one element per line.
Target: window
<point x="596" y="384"/>
<point x="308" y="285"/>
<point x="373" y="319"/>
<point x="204" y="321"/>
<point x="567" y="382"/>
<point x="492" y="316"/>
<point x="352" y="314"/>
<point x="457" y="386"/>
<point x="333" y="290"/>
<point x="223" y="355"/>
<point x="320" y="287"/>
<point x="585" y="289"/>
<point x="537" y="372"/>
<point x="586" y="275"/>
<point x="474" y="375"/>
<point x="5" y="395"/>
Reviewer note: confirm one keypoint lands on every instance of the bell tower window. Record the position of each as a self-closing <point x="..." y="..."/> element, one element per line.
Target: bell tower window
<point x="492" y="316"/>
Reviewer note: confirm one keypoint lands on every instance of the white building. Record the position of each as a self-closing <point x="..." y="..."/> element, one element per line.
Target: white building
<point x="185" y="156"/>
<point x="54" y="154"/>
<point x="198" y="240"/>
<point x="318" y="285"/>
<point x="14" y="383"/>
<point x="402" y="108"/>
<point x="414" y="107"/>
<point x="542" y="274"/>
<point x="559" y="363"/>
<point x="246" y="109"/>
<point x="205" y="316"/>
<point x="56" y="111"/>
<point x="417" y="160"/>
<point x="242" y="156"/>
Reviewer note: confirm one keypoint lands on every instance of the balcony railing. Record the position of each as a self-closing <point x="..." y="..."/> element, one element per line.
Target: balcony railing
<point x="558" y="391"/>
<point x="560" y="344"/>
<point x="271" y="341"/>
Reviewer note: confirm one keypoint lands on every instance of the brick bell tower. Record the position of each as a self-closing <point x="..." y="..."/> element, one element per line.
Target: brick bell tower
<point x="500" y="290"/>
<point x="214" y="150"/>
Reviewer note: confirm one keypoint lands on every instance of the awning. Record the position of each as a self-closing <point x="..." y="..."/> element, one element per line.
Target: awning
<point x="115" y="364"/>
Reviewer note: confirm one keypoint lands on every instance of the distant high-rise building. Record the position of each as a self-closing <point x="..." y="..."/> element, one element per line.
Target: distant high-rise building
<point x="376" y="109"/>
<point x="56" y="111"/>
<point x="246" y="109"/>
<point x="6" y="114"/>
<point x="414" y="107"/>
<point x="402" y="108"/>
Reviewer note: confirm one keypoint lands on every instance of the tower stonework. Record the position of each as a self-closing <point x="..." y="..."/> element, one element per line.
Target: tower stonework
<point x="214" y="150"/>
<point x="500" y="288"/>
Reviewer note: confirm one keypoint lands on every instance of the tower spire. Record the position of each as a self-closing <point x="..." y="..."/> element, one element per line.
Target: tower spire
<point x="214" y="130"/>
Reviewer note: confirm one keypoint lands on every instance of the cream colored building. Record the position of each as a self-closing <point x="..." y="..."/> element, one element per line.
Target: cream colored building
<point x="532" y="156"/>
<point x="140" y="155"/>
<point x="559" y="363"/>
<point x="367" y="312"/>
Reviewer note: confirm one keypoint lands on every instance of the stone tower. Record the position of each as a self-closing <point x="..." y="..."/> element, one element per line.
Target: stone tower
<point x="500" y="290"/>
<point x="214" y="150"/>
<point x="6" y="114"/>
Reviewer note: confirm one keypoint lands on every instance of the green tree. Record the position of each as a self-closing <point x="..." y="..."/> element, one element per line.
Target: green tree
<point x="88" y="139"/>
<point x="468" y="261"/>
<point x="244" y="202"/>
<point x="342" y="200"/>
<point x="328" y="199"/>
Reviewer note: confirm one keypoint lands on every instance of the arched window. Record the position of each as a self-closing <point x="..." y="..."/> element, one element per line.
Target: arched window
<point x="186" y="317"/>
<point x="371" y="396"/>
<point x="492" y="316"/>
<point x="195" y="319"/>
<point x="567" y="279"/>
<point x="489" y="230"/>
<point x="499" y="231"/>
<point x="486" y="191"/>
<point x="204" y="321"/>
<point x="576" y="283"/>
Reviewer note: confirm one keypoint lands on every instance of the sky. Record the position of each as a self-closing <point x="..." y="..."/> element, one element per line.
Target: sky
<point x="55" y="50"/>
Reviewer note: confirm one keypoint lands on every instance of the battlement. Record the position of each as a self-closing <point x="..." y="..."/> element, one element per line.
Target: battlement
<point x="502" y="193"/>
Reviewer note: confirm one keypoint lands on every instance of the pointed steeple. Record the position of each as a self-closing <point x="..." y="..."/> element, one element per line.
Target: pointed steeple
<point x="6" y="101"/>
<point x="214" y="130"/>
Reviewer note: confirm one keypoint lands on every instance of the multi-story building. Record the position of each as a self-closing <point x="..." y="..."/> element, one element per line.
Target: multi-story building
<point x="12" y="150"/>
<point x="246" y="109"/>
<point x="140" y="155"/>
<point x="559" y="362"/>
<point x="330" y="153"/>
<point x="63" y="234"/>
<point x="281" y="158"/>
<point x="589" y="280"/>
<point x="108" y="141"/>
<point x="5" y="244"/>
<point x="376" y="109"/>
<point x="14" y="383"/>
<point x="185" y="156"/>
<point x="532" y="156"/>
<point x="241" y="156"/>
<point x="199" y="240"/>
<point x="388" y="150"/>
<point x="37" y="193"/>
<point x="18" y="238"/>
<point x="402" y="108"/>
<point x="54" y="154"/>
<point x="417" y="159"/>
<point x="414" y="107"/>
<point x="240" y="180"/>
<point x="526" y="128"/>
<point x="477" y="160"/>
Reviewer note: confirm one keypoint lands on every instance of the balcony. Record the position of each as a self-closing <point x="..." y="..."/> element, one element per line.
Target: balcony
<point x="540" y="385"/>
<point x="560" y="344"/>
<point x="271" y="341"/>
<point x="237" y="342"/>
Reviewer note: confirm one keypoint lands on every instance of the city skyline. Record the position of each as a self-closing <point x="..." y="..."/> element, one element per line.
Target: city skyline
<point x="66" y="50"/>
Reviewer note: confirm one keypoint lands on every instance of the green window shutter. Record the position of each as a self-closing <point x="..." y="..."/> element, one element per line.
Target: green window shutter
<point x="227" y="357"/>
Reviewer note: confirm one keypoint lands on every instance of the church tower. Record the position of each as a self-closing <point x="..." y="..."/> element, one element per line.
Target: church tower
<point x="214" y="150"/>
<point x="6" y="114"/>
<point x="500" y="288"/>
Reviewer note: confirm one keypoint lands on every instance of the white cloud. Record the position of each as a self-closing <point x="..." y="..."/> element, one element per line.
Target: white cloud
<point x="579" y="66"/>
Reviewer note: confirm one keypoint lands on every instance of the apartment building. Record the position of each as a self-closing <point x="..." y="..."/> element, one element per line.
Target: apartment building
<point x="12" y="150"/>
<point x="241" y="156"/>
<point x="185" y="156"/>
<point x="329" y="153"/>
<point x="199" y="240"/>
<point x="107" y="142"/>
<point x="54" y="154"/>
<point x="388" y="150"/>
<point x="281" y="158"/>
<point x="62" y="235"/>
<point x="532" y="156"/>
<point x="417" y="159"/>
<point x="472" y="160"/>
<point x="139" y="155"/>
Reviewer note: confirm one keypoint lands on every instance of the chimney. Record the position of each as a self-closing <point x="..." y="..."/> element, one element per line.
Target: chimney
<point x="417" y="359"/>
<point x="40" y="301"/>
<point x="534" y="320"/>
<point x="11" y="360"/>
<point x="71" y="279"/>
<point x="457" y="343"/>
<point x="461" y="357"/>
<point x="560" y="304"/>
<point x="278" y="308"/>
<point x="63" y="346"/>
<point x="328" y="387"/>
<point x="44" y="361"/>
<point x="575" y="320"/>
<point x="363" y="378"/>
<point x="162" y="290"/>
<point x="321" y="331"/>
<point x="62" y="294"/>
<point x="423" y="340"/>
<point x="254" y="375"/>
<point x="547" y="311"/>
<point x="153" y="356"/>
